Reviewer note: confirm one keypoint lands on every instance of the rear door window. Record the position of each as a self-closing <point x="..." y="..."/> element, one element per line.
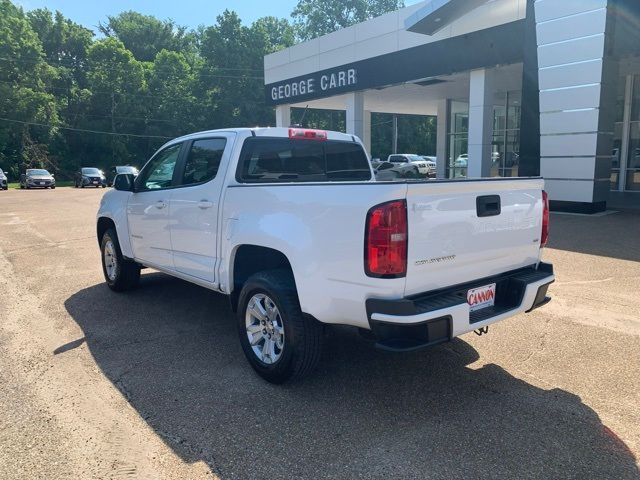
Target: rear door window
<point x="203" y="161"/>
<point x="273" y="160"/>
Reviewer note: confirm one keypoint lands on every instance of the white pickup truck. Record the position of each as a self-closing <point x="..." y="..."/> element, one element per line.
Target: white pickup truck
<point x="292" y="226"/>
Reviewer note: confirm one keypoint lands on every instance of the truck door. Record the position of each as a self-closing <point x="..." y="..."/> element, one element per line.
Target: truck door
<point x="193" y="213"/>
<point x="148" y="209"/>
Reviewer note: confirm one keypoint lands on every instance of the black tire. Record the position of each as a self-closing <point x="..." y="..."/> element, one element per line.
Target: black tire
<point x="127" y="272"/>
<point x="53" y="188"/>
<point x="303" y="334"/>
<point x="82" y="185"/>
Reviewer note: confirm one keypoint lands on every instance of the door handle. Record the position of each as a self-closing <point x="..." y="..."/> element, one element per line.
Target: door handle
<point x="488" y="206"/>
<point x="160" y="204"/>
<point x="204" y="204"/>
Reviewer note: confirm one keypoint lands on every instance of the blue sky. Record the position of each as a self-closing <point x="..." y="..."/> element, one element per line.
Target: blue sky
<point x="185" y="12"/>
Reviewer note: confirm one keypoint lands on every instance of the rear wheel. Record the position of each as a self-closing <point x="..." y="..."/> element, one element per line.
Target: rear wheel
<point x="279" y="341"/>
<point x="119" y="273"/>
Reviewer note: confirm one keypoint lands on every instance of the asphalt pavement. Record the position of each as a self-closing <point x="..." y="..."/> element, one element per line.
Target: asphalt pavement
<point x="153" y="383"/>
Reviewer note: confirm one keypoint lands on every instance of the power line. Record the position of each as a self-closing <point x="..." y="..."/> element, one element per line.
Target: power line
<point x="83" y="130"/>
<point x="104" y="92"/>
<point x="211" y="75"/>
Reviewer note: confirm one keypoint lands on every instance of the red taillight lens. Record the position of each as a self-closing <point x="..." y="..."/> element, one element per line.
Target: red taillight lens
<point x="385" y="247"/>
<point x="545" y="219"/>
<point x="305" y="134"/>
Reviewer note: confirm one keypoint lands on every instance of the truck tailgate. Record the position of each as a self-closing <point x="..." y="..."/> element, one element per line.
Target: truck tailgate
<point x="467" y="230"/>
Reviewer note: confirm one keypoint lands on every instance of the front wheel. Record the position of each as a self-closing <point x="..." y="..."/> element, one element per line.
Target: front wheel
<point x="279" y="341"/>
<point x="119" y="273"/>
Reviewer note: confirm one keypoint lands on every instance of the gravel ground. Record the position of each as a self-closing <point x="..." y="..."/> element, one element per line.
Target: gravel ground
<point x="153" y="383"/>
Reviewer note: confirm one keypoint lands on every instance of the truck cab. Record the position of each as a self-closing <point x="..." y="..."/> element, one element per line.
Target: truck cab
<point x="293" y="227"/>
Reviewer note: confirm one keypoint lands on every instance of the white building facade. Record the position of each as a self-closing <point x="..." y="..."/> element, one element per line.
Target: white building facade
<point x="519" y="88"/>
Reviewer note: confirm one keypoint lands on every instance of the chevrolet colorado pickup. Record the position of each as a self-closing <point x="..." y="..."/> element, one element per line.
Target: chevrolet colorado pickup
<point x="292" y="226"/>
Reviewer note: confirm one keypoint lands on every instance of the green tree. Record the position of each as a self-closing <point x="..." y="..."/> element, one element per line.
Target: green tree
<point x="314" y="18"/>
<point x="145" y="36"/>
<point x="24" y="101"/>
<point x="118" y="104"/>
<point x="231" y="74"/>
<point x="172" y="106"/>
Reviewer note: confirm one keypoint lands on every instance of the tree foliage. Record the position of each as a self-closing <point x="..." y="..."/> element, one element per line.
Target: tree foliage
<point x="314" y="18"/>
<point x="146" y="36"/>
<point x="71" y="99"/>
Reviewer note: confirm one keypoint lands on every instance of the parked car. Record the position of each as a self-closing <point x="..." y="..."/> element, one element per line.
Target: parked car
<point x="431" y="164"/>
<point x="89" y="177"/>
<point x="462" y="161"/>
<point x="408" y="162"/>
<point x="278" y="220"/>
<point x="37" y="178"/>
<point x="4" y="185"/>
<point x="125" y="169"/>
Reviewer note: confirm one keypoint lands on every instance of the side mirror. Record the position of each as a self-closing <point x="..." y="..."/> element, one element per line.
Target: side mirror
<point x="125" y="182"/>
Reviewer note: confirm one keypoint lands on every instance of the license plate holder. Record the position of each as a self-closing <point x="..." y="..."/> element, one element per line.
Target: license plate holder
<point x="481" y="297"/>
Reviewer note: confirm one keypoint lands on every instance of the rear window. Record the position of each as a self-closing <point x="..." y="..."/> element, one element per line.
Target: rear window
<point x="273" y="160"/>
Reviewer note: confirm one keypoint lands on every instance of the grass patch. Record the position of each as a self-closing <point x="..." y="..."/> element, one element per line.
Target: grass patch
<point x="60" y="183"/>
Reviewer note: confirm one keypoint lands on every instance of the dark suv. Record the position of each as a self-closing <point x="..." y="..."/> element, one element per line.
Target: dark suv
<point x="125" y="169"/>
<point x="89" y="177"/>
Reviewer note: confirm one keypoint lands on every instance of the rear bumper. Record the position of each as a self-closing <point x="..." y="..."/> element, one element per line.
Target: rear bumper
<point x="435" y="317"/>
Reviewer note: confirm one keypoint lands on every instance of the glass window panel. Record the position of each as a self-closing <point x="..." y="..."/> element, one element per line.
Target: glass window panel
<point x="634" y="146"/>
<point x="497" y="153"/>
<point x="633" y="165"/>
<point x="617" y="146"/>
<point x="633" y="180"/>
<point x="458" y="156"/>
<point x="514" y="110"/>
<point x="158" y="173"/>
<point x="615" y="182"/>
<point x="511" y="158"/>
<point x="500" y="112"/>
<point x="203" y="161"/>
<point x="635" y="100"/>
<point x="459" y="122"/>
<point x="620" y="93"/>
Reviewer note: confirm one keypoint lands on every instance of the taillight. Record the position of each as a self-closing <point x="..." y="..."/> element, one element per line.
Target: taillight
<point x="306" y="134"/>
<point x="544" y="237"/>
<point x="385" y="248"/>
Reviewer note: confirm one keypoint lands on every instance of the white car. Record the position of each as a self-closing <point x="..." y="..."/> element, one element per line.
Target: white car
<point x="292" y="226"/>
<point x="462" y="161"/>
<point x="409" y="162"/>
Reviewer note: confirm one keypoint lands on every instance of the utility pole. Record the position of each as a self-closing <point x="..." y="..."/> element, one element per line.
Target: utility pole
<point x="113" y="128"/>
<point x="395" y="133"/>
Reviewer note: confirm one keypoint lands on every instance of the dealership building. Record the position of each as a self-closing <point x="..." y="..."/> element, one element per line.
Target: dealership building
<point x="519" y="88"/>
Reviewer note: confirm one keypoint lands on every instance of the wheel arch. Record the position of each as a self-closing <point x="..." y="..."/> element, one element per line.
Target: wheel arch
<point x="104" y="224"/>
<point x="250" y="259"/>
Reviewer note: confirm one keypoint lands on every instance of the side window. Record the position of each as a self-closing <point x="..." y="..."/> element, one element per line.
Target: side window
<point x="203" y="161"/>
<point x="158" y="173"/>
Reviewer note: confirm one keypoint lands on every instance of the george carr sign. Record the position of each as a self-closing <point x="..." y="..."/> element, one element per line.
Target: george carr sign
<point x="493" y="46"/>
<point x="312" y="85"/>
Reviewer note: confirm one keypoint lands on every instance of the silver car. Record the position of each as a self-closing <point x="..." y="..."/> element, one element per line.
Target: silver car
<point x="3" y="181"/>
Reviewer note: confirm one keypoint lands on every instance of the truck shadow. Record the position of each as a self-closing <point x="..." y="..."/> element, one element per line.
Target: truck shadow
<point x="171" y="348"/>
<point x="614" y="236"/>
